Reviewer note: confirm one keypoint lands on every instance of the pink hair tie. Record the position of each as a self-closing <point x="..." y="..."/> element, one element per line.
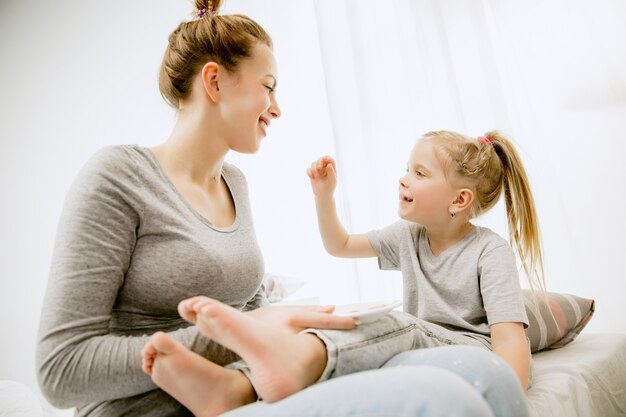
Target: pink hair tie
<point x="203" y="12"/>
<point x="484" y="140"/>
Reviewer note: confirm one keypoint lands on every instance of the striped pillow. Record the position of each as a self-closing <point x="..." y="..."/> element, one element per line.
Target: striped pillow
<point x="570" y="314"/>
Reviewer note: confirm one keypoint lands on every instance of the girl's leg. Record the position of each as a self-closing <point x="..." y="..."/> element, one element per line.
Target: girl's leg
<point x="370" y="346"/>
<point x="390" y="392"/>
<point x="490" y="375"/>
<point x="281" y="364"/>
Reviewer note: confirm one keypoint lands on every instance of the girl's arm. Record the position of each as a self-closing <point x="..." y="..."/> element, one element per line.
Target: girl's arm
<point x="508" y="340"/>
<point x="337" y="241"/>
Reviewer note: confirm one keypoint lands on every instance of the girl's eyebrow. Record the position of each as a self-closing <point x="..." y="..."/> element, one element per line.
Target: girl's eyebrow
<point x="418" y="165"/>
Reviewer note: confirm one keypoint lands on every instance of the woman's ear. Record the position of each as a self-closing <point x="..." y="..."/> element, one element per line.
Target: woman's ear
<point x="211" y="74"/>
<point x="464" y="199"/>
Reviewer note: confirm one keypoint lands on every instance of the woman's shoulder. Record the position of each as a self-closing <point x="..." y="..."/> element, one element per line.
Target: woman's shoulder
<point x="112" y="158"/>
<point x="114" y="165"/>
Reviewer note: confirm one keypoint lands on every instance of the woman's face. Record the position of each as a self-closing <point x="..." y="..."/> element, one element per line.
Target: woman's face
<point x="249" y="100"/>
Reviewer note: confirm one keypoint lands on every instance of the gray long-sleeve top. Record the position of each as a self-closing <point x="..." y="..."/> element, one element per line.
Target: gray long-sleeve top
<point x="128" y="249"/>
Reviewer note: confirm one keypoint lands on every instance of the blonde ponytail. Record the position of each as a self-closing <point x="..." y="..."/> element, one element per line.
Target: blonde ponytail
<point x="520" y="210"/>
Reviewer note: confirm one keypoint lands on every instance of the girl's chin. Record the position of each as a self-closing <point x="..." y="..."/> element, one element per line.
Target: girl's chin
<point x="404" y="215"/>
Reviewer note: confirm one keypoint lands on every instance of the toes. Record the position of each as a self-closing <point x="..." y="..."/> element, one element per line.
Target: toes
<point x="163" y="343"/>
<point x="186" y="312"/>
<point x="206" y="307"/>
<point x="146" y="366"/>
<point x="148" y="351"/>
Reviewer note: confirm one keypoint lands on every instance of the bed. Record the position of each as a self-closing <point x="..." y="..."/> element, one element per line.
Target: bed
<point x="574" y="374"/>
<point x="585" y="378"/>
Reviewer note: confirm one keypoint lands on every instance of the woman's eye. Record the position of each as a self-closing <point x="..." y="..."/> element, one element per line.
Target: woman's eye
<point x="419" y="173"/>
<point x="270" y="89"/>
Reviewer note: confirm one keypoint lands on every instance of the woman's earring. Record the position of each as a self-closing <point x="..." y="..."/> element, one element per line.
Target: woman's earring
<point x="452" y="213"/>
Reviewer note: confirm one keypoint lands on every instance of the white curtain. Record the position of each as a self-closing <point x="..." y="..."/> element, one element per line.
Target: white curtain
<point x="549" y="75"/>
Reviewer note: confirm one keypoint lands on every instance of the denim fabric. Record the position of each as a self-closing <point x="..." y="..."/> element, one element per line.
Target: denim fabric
<point x="422" y="366"/>
<point x="370" y="345"/>
<point x="423" y="391"/>
<point x="489" y="374"/>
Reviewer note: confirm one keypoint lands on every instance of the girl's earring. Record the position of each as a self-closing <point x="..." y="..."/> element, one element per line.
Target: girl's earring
<point x="452" y="213"/>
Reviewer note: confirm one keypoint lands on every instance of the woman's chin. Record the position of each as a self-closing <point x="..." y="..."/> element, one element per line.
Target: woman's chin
<point x="250" y="149"/>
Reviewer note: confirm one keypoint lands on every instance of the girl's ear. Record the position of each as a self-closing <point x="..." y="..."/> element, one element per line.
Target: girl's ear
<point x="464" y="199"/>
<point x="211" y="74"/>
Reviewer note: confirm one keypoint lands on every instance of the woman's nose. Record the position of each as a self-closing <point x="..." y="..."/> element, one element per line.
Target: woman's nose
<point x="274" y="109"/>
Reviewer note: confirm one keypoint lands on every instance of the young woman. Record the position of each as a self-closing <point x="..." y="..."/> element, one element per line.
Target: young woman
<point x="143" y="228"/>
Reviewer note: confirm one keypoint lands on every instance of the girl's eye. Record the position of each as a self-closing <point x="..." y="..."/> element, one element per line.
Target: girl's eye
<point x="270" y="89"/>
<point x="419" y="173"/>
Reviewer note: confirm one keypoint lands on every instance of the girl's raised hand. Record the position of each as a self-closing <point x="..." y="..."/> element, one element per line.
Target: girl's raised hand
<point x="323" y="176"/>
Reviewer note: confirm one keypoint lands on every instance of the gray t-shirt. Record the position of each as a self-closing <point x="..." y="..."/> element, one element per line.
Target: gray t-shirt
<point x="467" y="288"/>
<point x="128" y="249"/>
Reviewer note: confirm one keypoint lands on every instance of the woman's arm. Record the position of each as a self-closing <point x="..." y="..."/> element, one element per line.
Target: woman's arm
<point x="337" y="241"/>
<point x="79" y="361"/>
<point x="508" y="340"/>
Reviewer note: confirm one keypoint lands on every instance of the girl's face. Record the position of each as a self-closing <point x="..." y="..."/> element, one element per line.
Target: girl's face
<point x="249" y="100"/>
<point x="425" y="194"/>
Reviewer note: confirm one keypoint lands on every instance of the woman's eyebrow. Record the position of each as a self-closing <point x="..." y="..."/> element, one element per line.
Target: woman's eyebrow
<point x="274" y="78"/>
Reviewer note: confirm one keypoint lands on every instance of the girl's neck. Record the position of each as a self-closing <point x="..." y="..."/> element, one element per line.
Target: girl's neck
<point x="441" y="239"/>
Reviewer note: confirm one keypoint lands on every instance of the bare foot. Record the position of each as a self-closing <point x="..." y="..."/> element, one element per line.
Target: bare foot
<point x="281" y="363"/>
<point x="186" y="308"/>
<point x="205" y="388"/>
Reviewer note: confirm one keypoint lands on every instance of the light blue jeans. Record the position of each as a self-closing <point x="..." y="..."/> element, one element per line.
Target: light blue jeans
<point x="450" y="381"/>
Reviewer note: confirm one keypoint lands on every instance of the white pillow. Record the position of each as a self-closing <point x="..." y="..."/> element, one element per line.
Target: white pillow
<point x="279" y="287"/>
<point x="17" y="400"/>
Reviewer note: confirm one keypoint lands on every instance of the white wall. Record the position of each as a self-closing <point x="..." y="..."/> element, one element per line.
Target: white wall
<point x="76" y="76"/>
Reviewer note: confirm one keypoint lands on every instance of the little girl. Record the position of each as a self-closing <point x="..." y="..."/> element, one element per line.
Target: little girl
<point x="459" y="279"/>
<point x="461" y="284"/>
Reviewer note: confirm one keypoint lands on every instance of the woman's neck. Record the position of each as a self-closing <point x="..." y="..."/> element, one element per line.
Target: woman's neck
<point x="444" y="238"/>
<point x="194" y="149"/>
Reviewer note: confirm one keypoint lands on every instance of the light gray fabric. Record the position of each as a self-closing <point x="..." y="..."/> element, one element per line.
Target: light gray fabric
<point x="370" y="345"/>
<point x="128" y="250"/>
<point x="583" y="379"/>
<point x="465" y="289"/>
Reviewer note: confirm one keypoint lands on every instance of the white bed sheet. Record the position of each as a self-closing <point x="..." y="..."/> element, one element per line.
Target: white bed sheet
<point x="586" y="378"/>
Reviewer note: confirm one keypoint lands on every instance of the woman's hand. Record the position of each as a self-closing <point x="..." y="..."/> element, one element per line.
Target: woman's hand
<point x="294" y="319"/>
<point x="323" y="176"/>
